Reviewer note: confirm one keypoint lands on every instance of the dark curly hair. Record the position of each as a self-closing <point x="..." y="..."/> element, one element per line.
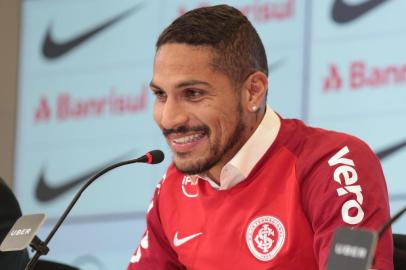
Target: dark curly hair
<point x="238" y="48"/>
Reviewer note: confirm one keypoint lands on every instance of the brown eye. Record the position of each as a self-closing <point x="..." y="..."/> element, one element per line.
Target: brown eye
<point x="193" y="93"/>
<point x="159" y="94"/>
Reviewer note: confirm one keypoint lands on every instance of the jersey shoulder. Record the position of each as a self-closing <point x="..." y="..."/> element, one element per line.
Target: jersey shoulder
<point x="307" y="141"/>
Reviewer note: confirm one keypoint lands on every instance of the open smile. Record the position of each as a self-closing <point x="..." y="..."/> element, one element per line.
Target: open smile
<point x="181" y="142"/>
<point x="188" y="139"/>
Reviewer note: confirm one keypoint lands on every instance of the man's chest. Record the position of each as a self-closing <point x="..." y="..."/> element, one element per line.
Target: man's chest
<point x="256" y="226"/>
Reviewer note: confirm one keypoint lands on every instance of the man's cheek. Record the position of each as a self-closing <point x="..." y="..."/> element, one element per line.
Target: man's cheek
<point x="157" y="115"/>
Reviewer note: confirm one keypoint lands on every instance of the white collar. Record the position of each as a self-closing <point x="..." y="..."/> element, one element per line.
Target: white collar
<point x="240" y="166"/>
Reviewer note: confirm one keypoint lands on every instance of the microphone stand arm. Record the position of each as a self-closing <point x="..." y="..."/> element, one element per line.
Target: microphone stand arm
<point x="41" y="247"/>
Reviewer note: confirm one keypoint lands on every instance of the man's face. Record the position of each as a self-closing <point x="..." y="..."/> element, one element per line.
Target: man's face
<point x="198" y="109"/>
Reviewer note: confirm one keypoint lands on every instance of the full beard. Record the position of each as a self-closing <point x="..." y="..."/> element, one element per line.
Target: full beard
<point x="216" y="151"/>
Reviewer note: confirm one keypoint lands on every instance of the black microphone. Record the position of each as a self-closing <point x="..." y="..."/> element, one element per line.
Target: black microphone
<point x="354" y="249"/>
<point x="152" y="157"/>
<point x="24" y="230"/>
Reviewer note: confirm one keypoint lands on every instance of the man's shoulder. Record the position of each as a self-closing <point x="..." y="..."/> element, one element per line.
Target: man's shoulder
<point x="320" y="150"/>
<point x="307" y="140"/>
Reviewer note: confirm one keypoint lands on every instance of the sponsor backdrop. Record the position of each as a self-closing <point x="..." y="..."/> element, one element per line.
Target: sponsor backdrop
<point x="84" y="102"/>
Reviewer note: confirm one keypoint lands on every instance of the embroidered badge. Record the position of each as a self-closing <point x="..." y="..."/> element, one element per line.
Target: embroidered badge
<point x="189" y="187"/>
<point x="265" y="237"/>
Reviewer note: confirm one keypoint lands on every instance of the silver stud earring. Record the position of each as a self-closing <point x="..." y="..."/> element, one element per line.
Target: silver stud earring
<point x="254" y="108"/>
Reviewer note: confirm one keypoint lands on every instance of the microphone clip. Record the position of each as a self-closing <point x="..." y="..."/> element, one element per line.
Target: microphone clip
<point x="39" y="246"/>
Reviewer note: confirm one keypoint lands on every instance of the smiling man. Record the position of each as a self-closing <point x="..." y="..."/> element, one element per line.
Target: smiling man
<point x="247" y="189"/>
<point x="200" y="110"/>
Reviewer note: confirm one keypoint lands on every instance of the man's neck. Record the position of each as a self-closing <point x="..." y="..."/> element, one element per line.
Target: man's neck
<point x="215" y="172"/>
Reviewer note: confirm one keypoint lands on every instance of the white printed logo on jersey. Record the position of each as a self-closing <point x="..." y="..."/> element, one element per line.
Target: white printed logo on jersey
<point x="189" y="187"/>
<point x="346" y="175"/>
<point x="144" y="244"/>
<point x="265" y="237"/>
<point x="180" y="241"/>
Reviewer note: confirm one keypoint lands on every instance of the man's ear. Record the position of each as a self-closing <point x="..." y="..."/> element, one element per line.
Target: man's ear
<point x="254" y="94"/>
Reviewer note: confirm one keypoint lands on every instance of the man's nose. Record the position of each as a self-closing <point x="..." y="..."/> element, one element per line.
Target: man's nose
<point x="173" y="114"/>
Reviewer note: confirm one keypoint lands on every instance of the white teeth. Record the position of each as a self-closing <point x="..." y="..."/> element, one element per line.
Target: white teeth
<point x="188" y="139"/>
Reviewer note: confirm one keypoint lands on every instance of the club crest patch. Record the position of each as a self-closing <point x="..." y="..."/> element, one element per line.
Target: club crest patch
<point x="265" y="236"/>
<point x="189" y="187"/>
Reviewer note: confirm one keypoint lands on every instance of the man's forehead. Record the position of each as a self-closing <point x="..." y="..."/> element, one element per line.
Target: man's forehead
<point x="173" y="60"/>
<point x="183" y="54"/>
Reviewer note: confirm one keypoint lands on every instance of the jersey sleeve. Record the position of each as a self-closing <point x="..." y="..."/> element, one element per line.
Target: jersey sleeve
<point x="154" y="251"/>
<point x="343" y="185"/>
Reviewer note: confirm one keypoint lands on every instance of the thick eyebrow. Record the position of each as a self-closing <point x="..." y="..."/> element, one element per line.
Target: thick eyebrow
<point x="183" y="84"/>
<point x="153" y="85"/>
<point x="192" y="83"/>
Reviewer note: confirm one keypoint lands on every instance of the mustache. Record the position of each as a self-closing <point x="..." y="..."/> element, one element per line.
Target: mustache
<point x="185" y="129"/>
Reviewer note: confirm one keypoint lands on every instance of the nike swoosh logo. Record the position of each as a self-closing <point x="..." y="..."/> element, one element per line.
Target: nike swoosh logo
<point x="345" y="13"/>
<point x="45" y="192"/>
<point x="52" y="49"/>
<point x="180" y="241"/>
<point x="388" y="151"/>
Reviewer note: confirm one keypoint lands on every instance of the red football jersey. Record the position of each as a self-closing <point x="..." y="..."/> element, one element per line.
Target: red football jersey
<point x="282" y="216"/>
